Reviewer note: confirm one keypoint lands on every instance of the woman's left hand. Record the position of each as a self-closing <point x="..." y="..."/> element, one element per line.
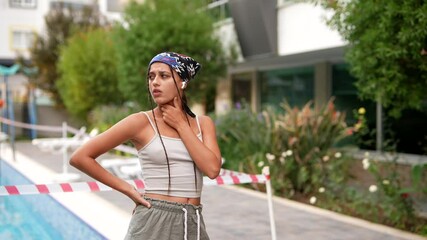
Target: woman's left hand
<point x="173" y="114"/>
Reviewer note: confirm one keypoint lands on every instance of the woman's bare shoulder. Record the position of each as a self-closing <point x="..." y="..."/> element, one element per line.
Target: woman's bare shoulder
<point x="139" y="116"/>
<point x="206" y="121"/>
<point x="138" y="119"/>
<point x="205" y="118"/>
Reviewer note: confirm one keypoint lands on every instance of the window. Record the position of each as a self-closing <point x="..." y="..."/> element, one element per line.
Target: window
<point x="345" y="93"/>
<point x="60" y="5"/>
<point x="22" y="39"/>
<point x="296" y="86"/>
<point x="219" y="10"/>
<point x="23" y="3"/>
<point x="241" y="87"/>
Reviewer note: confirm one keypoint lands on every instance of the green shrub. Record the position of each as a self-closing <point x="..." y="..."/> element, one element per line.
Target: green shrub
<point x="88" y="73"/>
<point x="243" y="137"/>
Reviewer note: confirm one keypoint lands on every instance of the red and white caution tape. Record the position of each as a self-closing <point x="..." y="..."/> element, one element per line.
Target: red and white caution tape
<point x="236" y="179"/>
<point x="97" y="186"/>
<point x="61" y="188"/>
<point x="227" y="172"/>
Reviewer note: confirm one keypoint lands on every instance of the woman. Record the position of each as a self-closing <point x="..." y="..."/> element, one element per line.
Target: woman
<point x="175" y="148"/>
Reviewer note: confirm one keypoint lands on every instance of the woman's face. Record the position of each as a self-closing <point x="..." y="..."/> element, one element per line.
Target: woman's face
<point x="161" y="83"/>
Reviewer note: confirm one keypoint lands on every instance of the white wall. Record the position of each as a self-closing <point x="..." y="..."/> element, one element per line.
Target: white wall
<point x="112" y="16"/>
<point x="17" y="19"/>
<point x="302" y="28"/>
<point x="32" y="19"/>
<point x="225" y="31"/>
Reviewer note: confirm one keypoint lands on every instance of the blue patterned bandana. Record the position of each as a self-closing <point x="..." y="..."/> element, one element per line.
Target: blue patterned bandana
<point x="185" y="66"/>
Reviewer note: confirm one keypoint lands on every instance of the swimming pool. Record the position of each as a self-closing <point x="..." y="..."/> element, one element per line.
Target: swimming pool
<point x="37" y="216"/>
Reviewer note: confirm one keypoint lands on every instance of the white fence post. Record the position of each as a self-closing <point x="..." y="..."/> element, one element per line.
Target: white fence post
<point x="64" y="149"/>
<point x="266" y="172"/>
<point x="65" y="175"/>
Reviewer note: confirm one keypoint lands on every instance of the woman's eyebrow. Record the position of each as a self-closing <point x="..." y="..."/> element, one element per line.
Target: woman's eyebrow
<point x="161" y="72"/>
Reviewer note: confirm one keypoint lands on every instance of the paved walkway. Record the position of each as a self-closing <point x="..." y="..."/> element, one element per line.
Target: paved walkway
<point x="232" y="212"/>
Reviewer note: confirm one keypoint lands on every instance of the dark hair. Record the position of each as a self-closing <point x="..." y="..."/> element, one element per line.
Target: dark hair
<point x="186" y="109"/>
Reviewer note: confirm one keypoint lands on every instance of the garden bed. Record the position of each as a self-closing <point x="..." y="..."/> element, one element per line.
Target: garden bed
<point x="362" y="179"/>
<point x="314" y="158"/>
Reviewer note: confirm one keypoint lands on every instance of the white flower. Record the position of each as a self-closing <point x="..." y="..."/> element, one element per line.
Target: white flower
<point x="270" y="157"/>
<point x="365" y="163"/>
<point x="283" y="154"/>
<point x="366" y="154"/>
<point x="289" y="153"/>
<point x="321" y="189"/>
<point x="386" y="182"/>
<point x="313" y="200"/>
<point x="325" y="158"/>
<point x="282" y="160"/>
<point x="338" y="155"/>
<point x="260" y="163"/>
<point x="373" y="188"/>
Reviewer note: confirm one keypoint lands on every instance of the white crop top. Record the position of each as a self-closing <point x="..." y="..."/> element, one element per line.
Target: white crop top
<point x="155" y="168"/>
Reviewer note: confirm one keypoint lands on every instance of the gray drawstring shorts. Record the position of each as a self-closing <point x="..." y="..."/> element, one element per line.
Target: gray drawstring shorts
<point x="167" y="220"/>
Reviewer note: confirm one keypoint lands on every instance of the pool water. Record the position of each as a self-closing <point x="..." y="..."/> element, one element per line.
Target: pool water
<point x="37" y="216"/>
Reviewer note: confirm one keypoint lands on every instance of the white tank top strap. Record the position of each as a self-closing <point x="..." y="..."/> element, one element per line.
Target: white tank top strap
<point x="198" y="125"/>
<point x="151" y="123"/>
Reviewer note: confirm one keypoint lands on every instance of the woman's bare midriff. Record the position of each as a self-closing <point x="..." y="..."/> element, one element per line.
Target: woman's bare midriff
<point x="193" y="201"/>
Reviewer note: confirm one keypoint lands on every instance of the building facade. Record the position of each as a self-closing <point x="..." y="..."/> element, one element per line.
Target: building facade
<point x="20" y="20"/>
<point x="289" y="53"/>
<point x="295" y="59"/>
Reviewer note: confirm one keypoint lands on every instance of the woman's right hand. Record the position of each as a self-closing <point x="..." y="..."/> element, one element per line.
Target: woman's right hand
<point x="138" y="198"/>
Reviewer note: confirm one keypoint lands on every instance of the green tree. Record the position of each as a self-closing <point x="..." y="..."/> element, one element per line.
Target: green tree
<point x="167" y="25"/>
<point x="88" y="72"/>
<point x="385" y="50"/>
<point x="60" y="23"/>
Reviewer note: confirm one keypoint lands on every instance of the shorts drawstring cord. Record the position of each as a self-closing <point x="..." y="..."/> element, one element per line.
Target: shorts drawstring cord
<point x="185" y="223"/>
<point x="198" y="224"/>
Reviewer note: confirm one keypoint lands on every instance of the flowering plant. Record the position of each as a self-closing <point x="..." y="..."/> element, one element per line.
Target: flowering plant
<point x="394" y="199"/>
<point x="310" y="134"/>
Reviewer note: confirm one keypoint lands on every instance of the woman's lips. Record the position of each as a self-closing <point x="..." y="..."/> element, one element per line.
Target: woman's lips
<point x="156" y="92"/>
